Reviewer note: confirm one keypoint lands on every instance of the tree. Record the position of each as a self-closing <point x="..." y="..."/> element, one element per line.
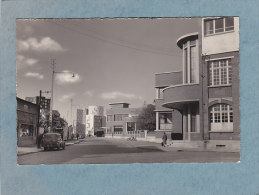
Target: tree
<point x="58" y="122"/>
<point x="147" y="118"/>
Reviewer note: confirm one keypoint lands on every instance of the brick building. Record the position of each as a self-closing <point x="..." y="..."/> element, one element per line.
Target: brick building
<point x="205" y="93"/>
<point x="27" y="122"/>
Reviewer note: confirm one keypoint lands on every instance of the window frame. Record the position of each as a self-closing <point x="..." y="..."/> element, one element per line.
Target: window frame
<point x="221" y="70"/>
<point x="109" y="117"/>
<point x="221" y="114"/>
<point x="166" y="124"/>
<point x="225" y="28"/>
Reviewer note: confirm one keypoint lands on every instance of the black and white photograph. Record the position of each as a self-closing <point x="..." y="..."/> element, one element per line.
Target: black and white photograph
<point x="127" y="90"/>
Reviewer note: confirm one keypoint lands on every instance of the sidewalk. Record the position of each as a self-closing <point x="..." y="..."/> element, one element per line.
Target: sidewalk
<point x="34" y="149"/>
<point x="178" y="146"/>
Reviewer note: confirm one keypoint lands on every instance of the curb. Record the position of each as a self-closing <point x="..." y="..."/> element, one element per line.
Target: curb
<point x="42" y="150"/>
<point x="22" y="154"/>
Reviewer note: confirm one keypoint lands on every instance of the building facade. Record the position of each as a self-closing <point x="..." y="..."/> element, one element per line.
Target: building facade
<point x="121" y="119"/>
<point x="95" y="120"/>
<point x="44" y="104"/>
<point x="27" y="122"/>
<point x="205" y="92"/>
<point x="81" y="122"/>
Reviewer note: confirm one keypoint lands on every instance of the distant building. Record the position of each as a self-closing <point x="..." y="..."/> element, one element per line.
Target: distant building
<point x="27" y="121"/>
<point x="95" y="120"/>
<point x="121" y="119"/>
<point x="80" y="122"/>
<point x="43" y="102"/>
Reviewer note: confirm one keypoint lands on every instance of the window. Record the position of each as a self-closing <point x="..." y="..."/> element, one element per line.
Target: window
<point x="118" y="129"/>
<point x="220" y="72"/>
<point x="131" y="126"/>
<point x="221" y="117"/>
<point x="120" y="117"/>
<point x="219" y="25"/>
<point x="191" y="62"/>
<point x="109" y="117"/>
<point x="165" y="121"/>
<point x="117" y="117"/>
<point x="26" y="130"/>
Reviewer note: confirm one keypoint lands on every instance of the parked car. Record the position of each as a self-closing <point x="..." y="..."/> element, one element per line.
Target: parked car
<point x="53" y="140"/>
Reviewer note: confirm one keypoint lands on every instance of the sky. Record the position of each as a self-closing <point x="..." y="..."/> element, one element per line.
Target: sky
<point x="113" y="60"/>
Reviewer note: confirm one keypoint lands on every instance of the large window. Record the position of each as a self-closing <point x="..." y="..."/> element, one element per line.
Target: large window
<point x="26" y="130"/>
<point x="220" y="72"/>
<point x="191" y="62"/>
<point x="109" y="117"/>
<point x="218" y="25"/>
<point x="221" y="117"/>
<point x="165" y="121"/>
<point x="120" y="117"/>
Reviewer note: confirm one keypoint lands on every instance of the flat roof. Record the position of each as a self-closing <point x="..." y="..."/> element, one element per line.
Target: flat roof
<point x="168" y="72"/>
<point x="27" y="102"/>
<point x="119" y="103"/>
<point x="179" y="41"/>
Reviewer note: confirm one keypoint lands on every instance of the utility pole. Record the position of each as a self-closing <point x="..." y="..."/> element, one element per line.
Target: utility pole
<point x="71" y="120"/>
<point x="39" y="104"/>
<point x="53" y="63"/>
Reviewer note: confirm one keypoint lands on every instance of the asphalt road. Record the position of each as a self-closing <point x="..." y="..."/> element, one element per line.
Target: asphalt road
<point x="118" y="151"/>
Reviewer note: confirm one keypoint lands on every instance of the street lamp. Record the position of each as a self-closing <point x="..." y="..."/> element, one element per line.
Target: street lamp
<point x="53" y="63"/>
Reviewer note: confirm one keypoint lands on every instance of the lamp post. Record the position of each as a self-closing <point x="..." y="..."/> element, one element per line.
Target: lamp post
<point x="53" y="63"/>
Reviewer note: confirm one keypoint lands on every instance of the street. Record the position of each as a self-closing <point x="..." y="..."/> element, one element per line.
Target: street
<point x="120" y="151"/>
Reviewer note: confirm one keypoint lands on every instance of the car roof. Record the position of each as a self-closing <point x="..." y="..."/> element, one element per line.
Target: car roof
<point x="52" y="134"/>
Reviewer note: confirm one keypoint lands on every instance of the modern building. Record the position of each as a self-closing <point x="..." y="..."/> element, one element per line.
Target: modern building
<point x="205" y="92"/>
<point x="27" y="122"/>
<point x="121" y="119"/>
<point x="81" y="122"/>
<point x="95" y="120"/>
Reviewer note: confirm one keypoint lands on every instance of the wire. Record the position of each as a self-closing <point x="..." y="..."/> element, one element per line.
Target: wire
<point x="146" y="46"/>
<point x="111" y="41"/>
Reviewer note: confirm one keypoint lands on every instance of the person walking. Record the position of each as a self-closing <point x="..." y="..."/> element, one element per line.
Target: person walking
<point x="164" y="138"/>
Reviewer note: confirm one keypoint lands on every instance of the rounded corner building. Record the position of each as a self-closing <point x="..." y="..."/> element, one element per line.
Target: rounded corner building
<point x="201" y="101"/>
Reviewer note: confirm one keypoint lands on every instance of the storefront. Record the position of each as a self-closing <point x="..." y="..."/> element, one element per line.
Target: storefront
<point x="27" y="121"/>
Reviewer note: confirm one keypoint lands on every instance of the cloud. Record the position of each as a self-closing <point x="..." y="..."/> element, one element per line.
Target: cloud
<point x="117" y="95"/>
<point x="34" y="75"/>
<point x="66" y="97"/>
<point x="45" y="44"/>
<point x="66" y="77"/>
<point x="23" y="62"/>
<point x="88" y="93"/>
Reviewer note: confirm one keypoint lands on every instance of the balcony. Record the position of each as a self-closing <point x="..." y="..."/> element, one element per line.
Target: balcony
<point x="168" y="78"/>
<point x="178" y="95"/>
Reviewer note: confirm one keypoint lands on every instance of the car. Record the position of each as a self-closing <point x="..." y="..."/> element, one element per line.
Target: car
<point x="53" y="140"/>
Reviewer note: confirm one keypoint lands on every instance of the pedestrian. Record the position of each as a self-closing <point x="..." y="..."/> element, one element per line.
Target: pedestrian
<point x="77" y="136"/>
<point x="164" y="138"/>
